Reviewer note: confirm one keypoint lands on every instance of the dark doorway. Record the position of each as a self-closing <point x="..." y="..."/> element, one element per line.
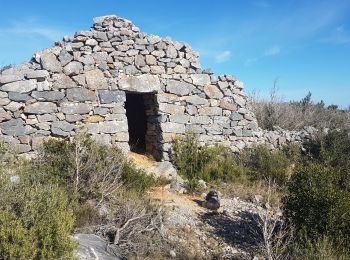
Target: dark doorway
<point x="137" y="122"/>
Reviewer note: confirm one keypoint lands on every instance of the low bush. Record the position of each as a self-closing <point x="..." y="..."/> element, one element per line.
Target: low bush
<point x="318" y="196"/>
<point x="200" y="162"/>
<point x="270" y="165"/>
<point x="35" y="214"/>
<point x="88" y="170"/>
<point x="16" y="241"/>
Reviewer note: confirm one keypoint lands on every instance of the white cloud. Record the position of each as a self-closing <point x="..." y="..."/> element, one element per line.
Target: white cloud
<point x="223" y="56"/>
<point x="272" y="51"/>
<point x="30" y="28"/>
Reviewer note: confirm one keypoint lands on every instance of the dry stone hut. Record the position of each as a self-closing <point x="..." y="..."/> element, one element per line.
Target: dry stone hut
<point x="124" y="87"/>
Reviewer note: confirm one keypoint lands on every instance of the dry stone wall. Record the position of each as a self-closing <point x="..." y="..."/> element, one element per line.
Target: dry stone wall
<point x="80" y="84"/>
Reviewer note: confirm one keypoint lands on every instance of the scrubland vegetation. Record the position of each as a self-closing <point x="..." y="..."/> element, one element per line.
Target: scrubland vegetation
<point x="295" y="115"/>
<point x="311" y="185"/>
<point x="79" y="185"/>
<point x="45" y="200"/>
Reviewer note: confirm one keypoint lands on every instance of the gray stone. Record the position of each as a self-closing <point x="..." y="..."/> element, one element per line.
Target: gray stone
<point x="40" y="108"/>
<point x="142" y="83"/>
<point x="63" y="125"/>
<point x="95" y="79"/>
<point x="201" y="79"/>
<point x="171" y="52"/>
<point x="75" y="108"/>
<point x="49" y="62"/>
<point x="46" y="118"/>
<point x="111" y="96"/>
<point x="140" y="61"/>
<point x="5" y="101"/>
<point x="14" y="127"/>
<point x="48" y="95"/>
<point x="91" y="42"/>
<point x="62" y="81"/>
<point x="81" y="94"/>
<point x="9" y="78"/>
<point x="213" y="92"/>
<point x="179" y="88"/>
<point x="65" y="57"/>
<point x="196" y="100"/>
<point x="111" y="127"/>
<point x="14" y="106"/>
<point x="151" y="60"/>
<point x="101" y="19"/>
<point x="210" y="111"/>
<point x="73" y="68"/>
<point x="37" y="74"/>
<point x="20" y="86"/>
<point x="169" y="127"/>
<point x="235" y="116"/>
<point x="19" y="97"/>
<point x="202" y="120"/>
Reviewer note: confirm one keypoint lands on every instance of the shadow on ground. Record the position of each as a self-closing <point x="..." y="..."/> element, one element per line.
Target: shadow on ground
<point x="241" y="231"/>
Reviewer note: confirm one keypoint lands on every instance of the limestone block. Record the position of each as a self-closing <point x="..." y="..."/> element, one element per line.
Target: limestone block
<point x="171" y="109"/>
<point x="4" y="79"/>
<point x="210" y="111"/>
<point x="213" y="92"/>
<point x="201" y="79"/>
<point x="40" y="108"/>
<point x="20" y="86"/>
<point x="37" y="74"/>
<point x="48" y="95"/>
<point x="142" y="83"/>
<point x="49" y="62"/>
<point x="196" y="100"/>
<point x="73" y="68"/>
<point x="65" y="57"/>
<point x="179" y="88"/>
<point x="169" y="127"/>
<point x="111" y="96"/>
<point x="95" y="79"/>
<point x="81" y="94"/>
<point x="111" y="127"/>
<point x="75" y="108"/>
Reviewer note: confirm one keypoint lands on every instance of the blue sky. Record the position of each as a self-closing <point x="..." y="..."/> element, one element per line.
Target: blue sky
<point x="305" y="44"/>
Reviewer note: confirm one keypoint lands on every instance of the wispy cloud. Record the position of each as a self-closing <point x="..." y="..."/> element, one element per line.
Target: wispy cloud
<point x="338" y="36"/>
<point x="223" y="56"/>
<point x="272" y="51"/>
<point x="261" y="3"/>
<point x="31" y="28"/>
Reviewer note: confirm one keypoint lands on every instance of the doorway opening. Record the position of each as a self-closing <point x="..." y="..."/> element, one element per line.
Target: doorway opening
<point x="137" y="122"/>
<point x="144" y="124"/>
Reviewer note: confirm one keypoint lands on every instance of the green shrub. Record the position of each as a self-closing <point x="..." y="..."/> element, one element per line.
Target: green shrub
<point x="136" y="179"/>
<point x="16" y="242"/>
<point x="46" y="212"/>
<point x="88" y="170"/>
<point x="42" y="213"/>
<point x="264" y="164"/>
<point x="200" y="162"/>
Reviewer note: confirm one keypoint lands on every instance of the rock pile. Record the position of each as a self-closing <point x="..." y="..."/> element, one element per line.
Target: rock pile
<point x="82" y="82"/>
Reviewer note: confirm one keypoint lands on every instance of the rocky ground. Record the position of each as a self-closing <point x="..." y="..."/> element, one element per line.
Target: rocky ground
<point x="231" y="232"/>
